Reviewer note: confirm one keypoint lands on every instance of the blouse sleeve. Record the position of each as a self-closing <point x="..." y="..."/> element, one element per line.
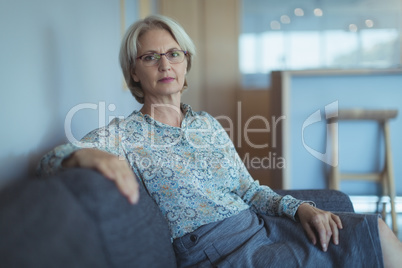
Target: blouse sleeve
<point x="107" y="139"/>
<point x="260" y="198"/>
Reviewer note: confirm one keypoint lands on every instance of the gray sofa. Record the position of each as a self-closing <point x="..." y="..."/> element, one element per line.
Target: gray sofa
<point x="79" y="219"/>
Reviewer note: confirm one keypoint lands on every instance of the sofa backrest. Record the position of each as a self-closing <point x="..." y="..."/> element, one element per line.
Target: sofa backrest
<point x="78" y="218"/>
<point x="132" y="235"/>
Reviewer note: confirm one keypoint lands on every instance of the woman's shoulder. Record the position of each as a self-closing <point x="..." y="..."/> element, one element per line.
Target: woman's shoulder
<point x="119" y="124"/>
<point x="122" y="121"/>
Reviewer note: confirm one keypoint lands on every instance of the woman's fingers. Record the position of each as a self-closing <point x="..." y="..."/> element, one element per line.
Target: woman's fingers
<point x="128" y="186"/>
<point x="129" y="181"/>
<point x="336" y="224"/>
<point x="112" y="167"/>
<point x="323" y="230"/>
<point x="329" y="227"/>
<point x="320" y="223"/>
<point x="337" y="220"/>
<point x="120" y="172"/>
<point x="310" y="233"/>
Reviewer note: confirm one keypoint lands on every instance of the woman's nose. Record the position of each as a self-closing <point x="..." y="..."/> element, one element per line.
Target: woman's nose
<point x="164" y="63"/>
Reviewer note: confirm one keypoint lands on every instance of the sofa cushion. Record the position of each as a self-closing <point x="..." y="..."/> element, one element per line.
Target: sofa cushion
<point x="133" y="235"/>
<point x="42" y="225"/>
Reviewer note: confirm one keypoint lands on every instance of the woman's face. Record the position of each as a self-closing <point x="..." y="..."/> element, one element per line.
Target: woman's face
<point x="163" y="80"/>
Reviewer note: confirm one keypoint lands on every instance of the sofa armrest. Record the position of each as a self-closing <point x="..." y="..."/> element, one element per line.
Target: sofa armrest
<point x="132" y="234"/>
<point x="330" y="200"/>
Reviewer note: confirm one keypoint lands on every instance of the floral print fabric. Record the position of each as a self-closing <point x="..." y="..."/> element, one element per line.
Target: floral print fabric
<point x="193" y="173"/>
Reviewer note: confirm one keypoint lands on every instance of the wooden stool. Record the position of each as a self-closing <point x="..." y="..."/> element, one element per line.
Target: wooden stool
<point x="384" y="177"/>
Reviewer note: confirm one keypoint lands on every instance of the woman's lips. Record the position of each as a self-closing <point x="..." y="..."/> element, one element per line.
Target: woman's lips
<point x="166" y="79"/>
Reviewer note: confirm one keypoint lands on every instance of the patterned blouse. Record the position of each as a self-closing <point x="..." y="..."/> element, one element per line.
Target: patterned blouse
<point x="193" y="172"/>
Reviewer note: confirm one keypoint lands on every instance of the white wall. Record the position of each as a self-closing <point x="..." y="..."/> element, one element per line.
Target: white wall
<point x="55" y="55"/>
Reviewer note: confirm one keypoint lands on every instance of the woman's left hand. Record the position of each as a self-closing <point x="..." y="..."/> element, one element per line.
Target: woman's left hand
<point x="319" y="222"/>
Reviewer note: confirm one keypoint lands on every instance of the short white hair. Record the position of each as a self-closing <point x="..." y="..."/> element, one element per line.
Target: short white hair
<point x="130" y="44"/>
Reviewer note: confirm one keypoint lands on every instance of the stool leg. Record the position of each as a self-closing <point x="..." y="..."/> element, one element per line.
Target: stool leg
<point x="334" y="176"/>
<point x="390" y="175"/>
<point x="384" y="192"/>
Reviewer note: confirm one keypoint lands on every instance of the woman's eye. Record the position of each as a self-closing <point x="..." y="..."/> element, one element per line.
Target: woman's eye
<point x="174" y="54"/>
<point x="148" y="57"/>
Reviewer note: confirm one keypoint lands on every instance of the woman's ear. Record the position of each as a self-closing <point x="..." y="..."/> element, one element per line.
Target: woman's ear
<point x="185" y="85"/>
<point x="134" y="76"/>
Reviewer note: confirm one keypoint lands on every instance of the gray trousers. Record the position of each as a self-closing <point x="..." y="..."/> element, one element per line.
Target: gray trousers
<point x="252" y="240"/>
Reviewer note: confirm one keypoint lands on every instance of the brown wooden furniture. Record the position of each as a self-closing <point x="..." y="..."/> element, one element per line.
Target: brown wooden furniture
<point x="386" y="176"/>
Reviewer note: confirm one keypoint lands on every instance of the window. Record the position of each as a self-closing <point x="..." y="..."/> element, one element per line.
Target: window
<point x="313" y="34"/>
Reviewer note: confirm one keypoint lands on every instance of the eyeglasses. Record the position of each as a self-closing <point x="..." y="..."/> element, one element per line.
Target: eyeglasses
<point x="173" y="56"/>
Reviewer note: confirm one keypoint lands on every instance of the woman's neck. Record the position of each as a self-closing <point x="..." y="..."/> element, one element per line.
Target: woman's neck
<point x="169" y="114"/>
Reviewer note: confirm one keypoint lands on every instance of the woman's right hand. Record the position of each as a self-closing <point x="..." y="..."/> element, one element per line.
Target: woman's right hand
<point x="111" y="166"/>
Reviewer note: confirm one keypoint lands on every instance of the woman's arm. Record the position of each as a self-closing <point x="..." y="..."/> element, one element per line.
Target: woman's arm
<point x="260" y="198"/>
<point x="113" y="167"/>
<point x="100" y="150"/>
<point x="318" y="224"/>
<point x="51" y="162"/>
<point x="263" y="199"/>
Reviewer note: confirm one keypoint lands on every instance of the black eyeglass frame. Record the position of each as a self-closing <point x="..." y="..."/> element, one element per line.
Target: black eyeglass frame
<point x="163" y="54"/>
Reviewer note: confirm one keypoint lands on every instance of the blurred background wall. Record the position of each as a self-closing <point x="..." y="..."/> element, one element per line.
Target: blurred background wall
<point x="55" y="55"/>
<point x="60" y="56"/>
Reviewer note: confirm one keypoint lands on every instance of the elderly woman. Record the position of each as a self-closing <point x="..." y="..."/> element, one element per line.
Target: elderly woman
<point x="217" y="213"/>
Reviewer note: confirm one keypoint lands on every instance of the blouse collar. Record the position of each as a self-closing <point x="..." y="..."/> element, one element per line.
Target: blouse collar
<point x="185" y="108"/>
